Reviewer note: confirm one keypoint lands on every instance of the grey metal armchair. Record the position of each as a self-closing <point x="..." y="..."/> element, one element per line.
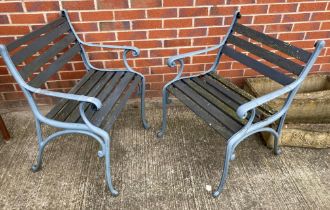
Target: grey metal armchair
<point x="231" y="111"/>
<point x="92" y="105"/>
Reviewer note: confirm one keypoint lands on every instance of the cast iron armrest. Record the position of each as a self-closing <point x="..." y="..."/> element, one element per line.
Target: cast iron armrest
<point x="136" y="51"/>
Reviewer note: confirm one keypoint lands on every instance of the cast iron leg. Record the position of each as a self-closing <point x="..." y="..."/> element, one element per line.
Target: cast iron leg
<point x="143" y="117"/>
<point x="36" y="167"/>
<point x="161" y="132"/>
<point x="228" y="157"/>
<point x="108" y="168"/>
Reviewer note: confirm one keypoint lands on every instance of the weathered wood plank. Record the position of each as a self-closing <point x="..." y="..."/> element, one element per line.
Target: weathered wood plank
<point x="286" y="48"/>
<point x="267" y="55"/>
<point x="209" y="119"/>
<point x="256" y="65"/>
<point x="209" y="107"/>
<point x="43" y="76"/>
<point x="39" y="43"/>
<point x="35" y="34"/>
<point x="45" y="57"/>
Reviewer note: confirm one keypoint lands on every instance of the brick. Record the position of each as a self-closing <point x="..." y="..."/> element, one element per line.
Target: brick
<point x="203" y="59"/>
<point x="318" y="35"/>
<point x="231" y="73"/>
<point x="223" y="10"/>
<point x="5" y="79"/>
<point x="296" y="17"/>
<point x="102" y="56"/>
<point x="14" y="30"/>
<point x="106" y="4"/>
<point x="4" y="19"/>
<point x="325" y="26"/>
<point x="254" y="9"/>
<point x="209" y="2"/>
<point x="320" y="16"/>
<point x="33" y="6"/>
<point x="60" y="84"/>
<point x="313" y="6"/>
<point x="310" y="26"/>
<point x="145" y="3"/>
<point x="154" y="78"/>
<point x="193" y="12"/>
<point x="278" y="28"/>
<point x="98" y="37"/>
<point x="14" y="96"/>
<point x="291" y="36"/>
<point x="245" y="20"/>
<point x="72" y="74"/>
<point x="260" y="19"/>
<point x="171" y="33"/>
<point x="97" y="16"/>
<point x="240" y="1"/>
<point x="129" y="14"/>
<point x="132" y="35"/>
<point x="78" y="5"/>
<point x="217" y="31"/>
<point x="177" y="42"/>
<point x="208" y="21"/>
<point x="162" y="70"/>
<point x="147" y="24"/>
<point x="163" y="53"/>
<point x="148" y="62"/>
<point x="162" y="13"/>
<point x="148" y="44"/>
<point x="206" y="41"/>
<point x="178" y="23"/>
<point x="83" y="27"/>
<point x="6" y="87"/>
<point x="192" y="32"/>
<point x="171" y="3"/>
<point x="157" y="85"/>
<point x="27" y="18"/>
<point x="115" y="25"/>
<point x="282" y="8"/>
<point x="11" y="7"/>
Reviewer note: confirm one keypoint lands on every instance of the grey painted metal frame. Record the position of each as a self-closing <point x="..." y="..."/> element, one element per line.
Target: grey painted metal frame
<point x="86" y="128"/>
<point x="247" y="110"/>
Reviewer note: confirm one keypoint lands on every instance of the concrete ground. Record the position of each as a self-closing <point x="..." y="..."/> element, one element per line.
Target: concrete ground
<point x="171" y="173"/>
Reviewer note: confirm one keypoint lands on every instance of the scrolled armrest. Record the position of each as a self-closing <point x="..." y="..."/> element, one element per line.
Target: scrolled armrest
<point x="136" y="51"/>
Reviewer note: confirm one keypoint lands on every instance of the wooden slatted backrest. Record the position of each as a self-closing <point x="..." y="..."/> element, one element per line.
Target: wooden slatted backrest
<point x="44" y="51"/>
<point x="245" y="38"/>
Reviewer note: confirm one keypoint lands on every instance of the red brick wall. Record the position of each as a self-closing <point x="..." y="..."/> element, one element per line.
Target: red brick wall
<point x="161" y="28"/>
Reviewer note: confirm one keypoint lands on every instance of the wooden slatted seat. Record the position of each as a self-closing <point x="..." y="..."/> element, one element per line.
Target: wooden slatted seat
<point x="92" y="106"/>
<point x="230" y="110"/>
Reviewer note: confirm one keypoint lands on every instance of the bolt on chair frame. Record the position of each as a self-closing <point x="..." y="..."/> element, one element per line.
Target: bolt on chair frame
<point x="86" y="127"/>
<point x="246" y="111"/>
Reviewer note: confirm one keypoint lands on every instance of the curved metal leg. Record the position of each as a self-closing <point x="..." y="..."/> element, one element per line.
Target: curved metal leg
<point x="161" y="132"/>
<point x="36" y="167"/>
<point x="229" y="155"/>
<point x="143" y="117"/>
<point x="108" y="168"/>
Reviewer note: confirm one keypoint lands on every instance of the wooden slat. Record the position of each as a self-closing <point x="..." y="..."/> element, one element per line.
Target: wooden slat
<point x="39" y="43"/>
<point x="260" y="67"/>
<point x="71" y="104"/>
<point x="112" y="116"/>
<point x="286" y="48"/>
<point x="209" y="119"/>
<point x="45" y="57"/>
<point x="35" y="34"/>
<point x="104" y="93"/>
<point x="63" y="101"/>
<point x="112" y="99"/>
<point x="238" y="92"/>
<point x="96" y="89"/>
<point x="209" y="107"/>
<point x="267" y="55"/>
<point x="43" y="76"/>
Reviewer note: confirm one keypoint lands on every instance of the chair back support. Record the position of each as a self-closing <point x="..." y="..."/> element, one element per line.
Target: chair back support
<point x="243" y="37"/>
<point x="42" y="53"/>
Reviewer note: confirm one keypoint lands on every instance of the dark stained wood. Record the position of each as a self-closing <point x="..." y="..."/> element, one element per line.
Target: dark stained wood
<point x="256" y="65"/>
<point x="4" y="130"/>
<point x="39" y="43"/>
<point x="108" y="104"/>
<point x="74" y="90"/>
<point x="111" y="118"/>
<point x="221" y="116"/>
<point x="267" y="55"/>
<point x="286" y="48"/>
<point x="35" y="34"/>
<point x="45" y="57"/>
<point x="209" y="119"/>
<point x="43" y="76"/>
